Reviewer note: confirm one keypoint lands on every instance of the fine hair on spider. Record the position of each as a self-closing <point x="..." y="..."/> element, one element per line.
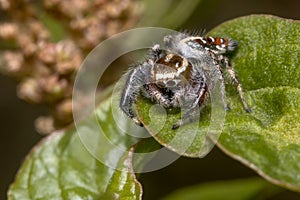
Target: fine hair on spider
<point x="181" y="75"/>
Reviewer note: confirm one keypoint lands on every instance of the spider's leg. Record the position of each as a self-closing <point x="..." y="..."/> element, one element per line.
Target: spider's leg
<point x="200" y="89"/>
<point x="219" y="72"/>
<point x="223" y="92"/>
<point x="189" y="116"/>
<point x="156" y="94"/>
<point x="136" y="78"/>
<point x="156" y="52"/>
<point x="234" y="78"/>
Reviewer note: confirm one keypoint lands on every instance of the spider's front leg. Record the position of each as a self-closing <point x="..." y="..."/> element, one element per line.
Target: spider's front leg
<point x="136" y="78"/>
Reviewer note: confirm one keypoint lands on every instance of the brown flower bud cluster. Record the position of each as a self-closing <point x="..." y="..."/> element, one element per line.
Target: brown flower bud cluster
<point x="46" y="69"/>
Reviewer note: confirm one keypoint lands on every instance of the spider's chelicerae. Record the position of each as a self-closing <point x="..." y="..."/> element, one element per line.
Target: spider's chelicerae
<point x="181" y="75"/>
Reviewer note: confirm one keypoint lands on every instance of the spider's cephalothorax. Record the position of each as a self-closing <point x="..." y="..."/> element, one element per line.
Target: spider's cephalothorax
<point x="182" y="75"/>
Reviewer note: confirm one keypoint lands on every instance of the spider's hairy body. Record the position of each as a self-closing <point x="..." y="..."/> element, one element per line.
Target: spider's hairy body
<point x="182" y="75"/>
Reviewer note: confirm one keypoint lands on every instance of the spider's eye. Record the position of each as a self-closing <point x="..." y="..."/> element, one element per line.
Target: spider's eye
<point x="199" y="41"/>
<point x="177" y="64"/>
<point x="160" y="84"/>
<point x="209" y="40"/>
<point x="171" y="83"/>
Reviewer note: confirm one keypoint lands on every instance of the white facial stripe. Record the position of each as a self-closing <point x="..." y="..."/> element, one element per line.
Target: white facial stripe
<point x="165" y="76"/>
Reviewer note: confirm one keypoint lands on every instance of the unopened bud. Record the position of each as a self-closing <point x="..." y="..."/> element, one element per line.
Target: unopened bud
<point x="8" y="30"/>
<point x="38" y="30"/>
<point x="63" y="111"/>
<point x="53" y="88"/>
<point x="47" y="52"/>
<point x="44" y="125"/>
<point x="29" y="90"/>
<point x="27" y="45"/>
<point x="12" y="63"/>
<point x="5" y="4"/>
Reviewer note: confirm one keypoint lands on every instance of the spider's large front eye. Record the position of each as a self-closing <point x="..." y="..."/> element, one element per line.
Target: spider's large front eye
<point x="210" y="40"/>
<point x="171" y="83"/>
<point x="160" y="84"/>
<point x="166" y="84"/>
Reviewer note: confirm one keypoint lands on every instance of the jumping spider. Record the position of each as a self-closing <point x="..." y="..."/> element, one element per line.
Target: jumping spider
<point x="183" y="74"/>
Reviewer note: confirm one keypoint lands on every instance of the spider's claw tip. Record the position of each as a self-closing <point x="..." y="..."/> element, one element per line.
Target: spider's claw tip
<point x="248" y="110"/>
<point x="137" y="122"/>
<point x="227" y="108"/>
<point x="175" y="126"/>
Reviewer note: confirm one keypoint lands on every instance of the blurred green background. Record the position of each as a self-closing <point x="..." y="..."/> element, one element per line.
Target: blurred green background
<point x="18" y="135"/>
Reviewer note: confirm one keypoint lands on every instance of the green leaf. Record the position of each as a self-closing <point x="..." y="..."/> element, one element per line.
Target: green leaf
<point x="243" y="189"/>
<point x="188" y="140"/>
<point x="267" y="61"/>
<point x="268" y="139"/>
<point x="62" y="166"/>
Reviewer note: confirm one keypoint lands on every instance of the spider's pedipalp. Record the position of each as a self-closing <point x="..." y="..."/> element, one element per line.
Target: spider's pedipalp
<point x="156" y="94"/>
